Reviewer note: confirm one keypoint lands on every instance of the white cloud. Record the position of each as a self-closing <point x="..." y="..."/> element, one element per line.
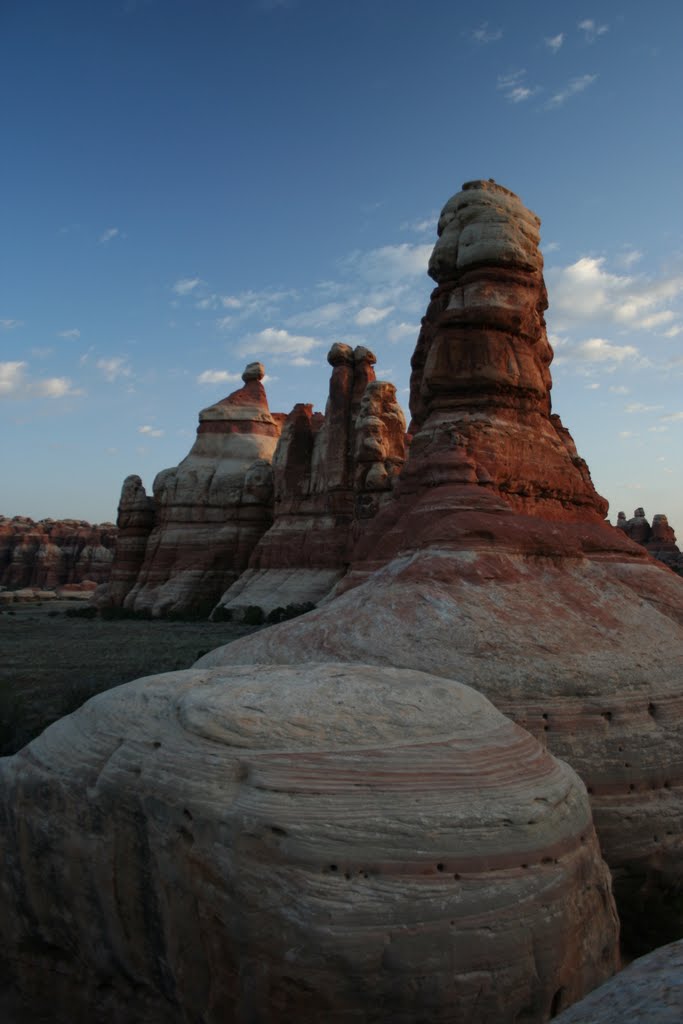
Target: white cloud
<point x="592" y="386"/>
<point x="223" y="322"/>
<point x="396" y="332"/>
<point x="320" y="316"/>
<point x="629" y="258"/>
<point x="231" y="302"/>
<point x="674" y="417"/>
<point x="620" y="389"/>
<point x="391" y="263"/>
<point x="73" y="332"/>
<point x="575" y="86"/>
<point x="10" y="325"/>
<point x="554" y="42"/>
<point x="484" y="34"/>
<point x="640" y="407"/>
<point x="278" y="343"/>
<point x="108" y="235"/>
<point x="150" y="431"/>
<point x="371" y="315"/>
<point x="421" y="227"/>
<point x="186" y="285"/>
<point x="16" y="383"/>
<point x="585" y="290"/>
<point x="550" y="246"/>
<point x="591" y="29"/>
<point x="113" y="368"/>
<point x="599" y="350"/>
<point x="514" y="87"/>
<point x="625" y="434"/>
<point x="674" y="331"/>
<point x="300" y="361"/>
<point x="218" y="377"/>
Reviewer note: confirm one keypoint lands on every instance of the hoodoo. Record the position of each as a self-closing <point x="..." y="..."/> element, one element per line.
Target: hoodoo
<point x="492" y="563"/>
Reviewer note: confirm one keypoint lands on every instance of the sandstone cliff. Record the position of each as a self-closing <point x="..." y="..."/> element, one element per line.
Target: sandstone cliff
<point x="659" y="539"/>
<point x="53" y="552"/>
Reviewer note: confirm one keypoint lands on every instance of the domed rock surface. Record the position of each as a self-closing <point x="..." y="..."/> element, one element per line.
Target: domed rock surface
<point x="210" y="510"/>
<point x="492" y="563"/>
<point x="312" y="843"/>
<point x="648" y="990"/>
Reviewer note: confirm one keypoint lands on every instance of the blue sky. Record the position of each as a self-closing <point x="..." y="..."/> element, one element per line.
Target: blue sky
<point x="189" y="185"/>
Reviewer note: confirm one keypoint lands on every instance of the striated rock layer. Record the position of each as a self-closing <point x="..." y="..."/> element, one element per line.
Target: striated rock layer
<point x="54" y="552"/>
<point x="135" y="521"/>
<point x="321" y="843"/>
<point x="492" y="563"/>
<point x="331" y="474"/>
<point x="209" y="511"/>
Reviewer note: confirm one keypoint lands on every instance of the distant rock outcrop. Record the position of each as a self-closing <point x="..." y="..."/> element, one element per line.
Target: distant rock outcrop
<point x="53" y="552"/>
<point x="659" y="539"/>
<point x="206" y="514"/>
<point x="330" y="474"/>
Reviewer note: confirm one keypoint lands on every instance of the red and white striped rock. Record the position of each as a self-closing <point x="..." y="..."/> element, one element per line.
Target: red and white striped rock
<point x="298" y="844"/>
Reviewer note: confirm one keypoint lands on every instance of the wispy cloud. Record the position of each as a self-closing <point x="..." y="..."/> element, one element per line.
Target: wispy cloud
<point x="554" y="42"/>
<point x="599" y="350"/>
<point x="421" y="227"/>
<point x="113" y="368"/>
<point x="514" y="86"/>
<point x="371" y="315"/>
<point x="390" y="263"/>
<point x="484" y="34"/>
<point x="71" y="333"/>
<point x="637" y="407"/>
<point x="10" y="325"/>
<point x="573" y="88"/>
<point x="674" y="417"/>
<point x="397" y="332"/>
<point x="591" y="30"/>
<point x="218" y="377"/>
<point x="15" y="382"/>
<point x="108" y="235"/>
<point x="186" y="285"/>
<point x="278" y="343"/>
<point x="150" y="431"/>
<point x="319" y="316"/>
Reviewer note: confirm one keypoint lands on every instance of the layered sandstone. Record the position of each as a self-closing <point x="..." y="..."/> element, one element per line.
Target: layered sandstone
<point x="659" y="539"/>
<point x="53" y="552"/>
<point x="209" y="511"/>
<point x="330" y="474"/>
<point x="135" y="521"/>
<point x="318" y="843"/>
<point x="492" y="563"/>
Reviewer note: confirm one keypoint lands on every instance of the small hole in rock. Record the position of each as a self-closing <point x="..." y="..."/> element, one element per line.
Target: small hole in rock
<point x="439" y="867"/>
<point x="333" y="867"/>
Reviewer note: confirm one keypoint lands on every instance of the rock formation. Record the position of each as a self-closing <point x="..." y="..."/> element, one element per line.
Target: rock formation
<point x="492" y="563"/>
<point x="135" y="521"/>
<point x="648" y="990"/>
<point x="53" y="552"/>
<point x="209" y="511"/>
<point x="324" y="843"/>
<point x="659" y="539"/>
<point x="330" y="475"/>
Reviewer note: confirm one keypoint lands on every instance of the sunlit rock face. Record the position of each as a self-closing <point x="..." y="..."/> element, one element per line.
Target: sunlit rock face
<point x="54" y="552"/>
<point x="330" y="474"/>
<point x="211" y="509"/>
<point x="317" y="843"/>
<point x="491" y="563"/>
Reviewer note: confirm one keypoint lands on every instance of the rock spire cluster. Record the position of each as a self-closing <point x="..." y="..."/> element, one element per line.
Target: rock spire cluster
<point x="397" y="806"/>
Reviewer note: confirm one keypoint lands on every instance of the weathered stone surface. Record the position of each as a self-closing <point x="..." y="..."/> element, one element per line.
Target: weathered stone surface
<point x="330" y="474"/>
<point x="317" y="843"/>
<point x="209" y="511"/>
<point x="659" y="539"/>
<point x="650" y="991"/>
<point x="492" y="564"/>
<point x="51" y="553"/>
<point x="135" y="522"/>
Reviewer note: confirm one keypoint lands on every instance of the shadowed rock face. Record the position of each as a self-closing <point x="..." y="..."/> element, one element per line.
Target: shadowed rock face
<point x="209" y="511"/>
<point x="330" y="474"/>
<point x="319" y="843"/>
<point x="492" y="564"/>
<point x="52" y="553"/>
<point x="135" y="522"/>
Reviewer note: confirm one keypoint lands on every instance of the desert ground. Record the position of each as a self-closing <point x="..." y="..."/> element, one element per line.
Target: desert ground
<point x="50" y="663"/>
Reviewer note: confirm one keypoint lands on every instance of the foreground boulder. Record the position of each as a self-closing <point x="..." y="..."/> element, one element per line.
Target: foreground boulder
<point x="492" y="564"/>
<point x="297" y="844"/>
<point x="650" y="991"/>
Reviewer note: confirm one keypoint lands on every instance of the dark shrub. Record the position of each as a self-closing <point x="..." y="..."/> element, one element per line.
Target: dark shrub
<point x="82" y="613"/>
<point x="253" y="616"/>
